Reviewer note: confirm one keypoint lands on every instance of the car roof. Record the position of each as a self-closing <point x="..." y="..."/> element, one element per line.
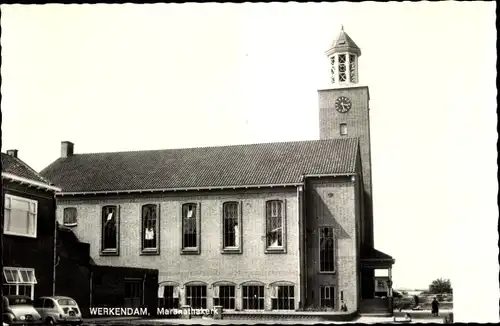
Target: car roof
<point x="16" y="296"/>
<point x="57" y="297"/>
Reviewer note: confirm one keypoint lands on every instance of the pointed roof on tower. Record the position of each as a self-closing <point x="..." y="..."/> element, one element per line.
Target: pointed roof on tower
<point x="343" y="43"/>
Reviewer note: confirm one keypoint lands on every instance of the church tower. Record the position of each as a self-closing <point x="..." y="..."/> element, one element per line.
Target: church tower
<point x="344" y="112"/>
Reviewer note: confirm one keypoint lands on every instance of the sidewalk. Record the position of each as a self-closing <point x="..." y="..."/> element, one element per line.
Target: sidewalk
<point x="203" y="321"/>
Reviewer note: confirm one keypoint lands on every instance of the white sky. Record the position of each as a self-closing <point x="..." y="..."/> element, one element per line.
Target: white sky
<point x="133" y="77"/>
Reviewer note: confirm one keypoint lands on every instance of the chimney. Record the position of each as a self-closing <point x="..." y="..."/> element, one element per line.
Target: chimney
<point x="12" y="152"/>
<point x="66" y="148"/>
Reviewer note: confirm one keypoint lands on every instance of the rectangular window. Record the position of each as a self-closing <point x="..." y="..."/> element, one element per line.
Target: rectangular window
<point x="352" y="68"/>
<point x="69" y="218"/>
<point x="170" y="297"/>
<point x="343" y="129"/>
<point x="190" y="228"/>
<point x="196" y="296"/>
<point x="283" y="298"/>
<point x="20" y="216"/>
<point x="327" y="297"/>
<point x="342" y="68"/>
<point x="231" y="237"/>
<point x="110" y="229"/>
<point x="253" y="297"/>
<point x="332" y="69"/>
<point x="224" y="296"/>
<point x="326" y="250"/>
<point x="19" y="281"/>
<point x="150" y="229"/>
<point x="275" y="225"/>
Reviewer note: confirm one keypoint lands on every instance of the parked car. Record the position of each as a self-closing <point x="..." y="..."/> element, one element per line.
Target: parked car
<point x="19" y="310"/>
<point x="58" y="310"/>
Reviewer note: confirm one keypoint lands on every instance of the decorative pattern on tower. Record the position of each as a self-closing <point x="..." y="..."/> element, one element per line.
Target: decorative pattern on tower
<point x="343" y="55"/>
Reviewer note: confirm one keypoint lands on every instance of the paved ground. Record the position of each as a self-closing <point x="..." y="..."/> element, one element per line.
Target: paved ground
<point x="200" y="321"/>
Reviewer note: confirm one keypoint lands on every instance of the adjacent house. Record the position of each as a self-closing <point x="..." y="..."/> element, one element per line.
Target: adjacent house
<point x="28" y="215"/>
<point x="43" y="258"/>
<point x="261" y="227"/>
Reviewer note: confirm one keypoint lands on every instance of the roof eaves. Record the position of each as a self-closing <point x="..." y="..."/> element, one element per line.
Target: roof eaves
<point x="31" y="182"/>
<point x="129" y="191"/>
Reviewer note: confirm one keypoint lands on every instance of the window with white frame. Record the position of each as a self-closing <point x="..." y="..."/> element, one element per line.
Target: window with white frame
<point x="275" y="220"/>
<point x="327" y="296"/>
<point x="20" y="216"/>
<point x="326" y="250"/>
<point x="196" y="296"/>
<point x="150" y="229"/>
<point x="224" y="295"/>
<point x="110" y="230"/>
<point x="190" y="228"/>
<point x="253" y="297"/>
<point x="232" y="226"/>
<point x="69" y="218"/>
<point x="283" y="297"/>
<point x="19" y="281"/>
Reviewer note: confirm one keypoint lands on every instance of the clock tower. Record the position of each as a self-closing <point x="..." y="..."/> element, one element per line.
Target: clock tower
<point x="344" y="112"/>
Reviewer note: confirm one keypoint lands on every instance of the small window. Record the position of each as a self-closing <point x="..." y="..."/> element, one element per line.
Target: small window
<point x="20" y="216"/>
<point x="224" y="296"/>
<point x="326" y="250"/>
<point x="327" y="297"/>
<point x="275" y="226"/>
<point x="69" y="216"/>
<point x="196" y="296"/>
<point x="283" y="297"/>
<point x="169" y="299"/>
<point x="342" y="68"/>
<point x="343" y="129"/>
<point x="48" y="303"/>
<point x="190" y="228"/>
<point x="352" y="68"/>
<point x="110" y="227"/>
<point x="253" y="297"/>
<point x="150" y="229"/>
<point x="231" y="235"/>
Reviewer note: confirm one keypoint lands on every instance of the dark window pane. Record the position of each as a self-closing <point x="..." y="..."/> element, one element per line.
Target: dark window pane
<point x="109" y="227"/>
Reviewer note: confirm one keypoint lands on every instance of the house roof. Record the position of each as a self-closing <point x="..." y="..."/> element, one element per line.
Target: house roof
<point x="15" y="169"/>
<point x="203" y="167"/>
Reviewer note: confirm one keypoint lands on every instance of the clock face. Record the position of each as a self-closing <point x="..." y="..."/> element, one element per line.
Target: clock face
<point x="342" y="104"/>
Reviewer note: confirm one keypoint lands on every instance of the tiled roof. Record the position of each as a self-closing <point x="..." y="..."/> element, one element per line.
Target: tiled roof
<point x="223" y="166"/>
<point x="17" y="167"/>
<point x="370" y="253"/>
<point x="344" y="43"/>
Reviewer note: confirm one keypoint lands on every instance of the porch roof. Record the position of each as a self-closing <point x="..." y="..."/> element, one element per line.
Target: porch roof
<point x="373" y="258"/>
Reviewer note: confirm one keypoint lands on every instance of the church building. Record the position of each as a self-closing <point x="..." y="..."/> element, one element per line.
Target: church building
<point x="272" y="227"/>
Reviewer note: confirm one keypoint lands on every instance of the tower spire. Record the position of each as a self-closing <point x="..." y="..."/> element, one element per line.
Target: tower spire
<point x="343" y="55"/>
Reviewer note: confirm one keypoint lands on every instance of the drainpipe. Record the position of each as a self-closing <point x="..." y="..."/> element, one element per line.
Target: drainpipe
<point x="56" y="261"/>
<point x="144" y="287"/>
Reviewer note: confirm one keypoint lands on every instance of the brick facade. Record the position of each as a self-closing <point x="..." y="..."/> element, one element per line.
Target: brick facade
<point x="333" y="202"/>
<point x="357" y="120"/>
<point x="210" y="266"/>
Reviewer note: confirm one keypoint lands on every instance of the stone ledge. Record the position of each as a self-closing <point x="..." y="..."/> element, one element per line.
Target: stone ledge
<point x="294" y="315"/>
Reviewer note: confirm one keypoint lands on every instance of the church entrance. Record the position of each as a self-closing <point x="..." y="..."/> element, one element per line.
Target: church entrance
<point x="376" y="291"/>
